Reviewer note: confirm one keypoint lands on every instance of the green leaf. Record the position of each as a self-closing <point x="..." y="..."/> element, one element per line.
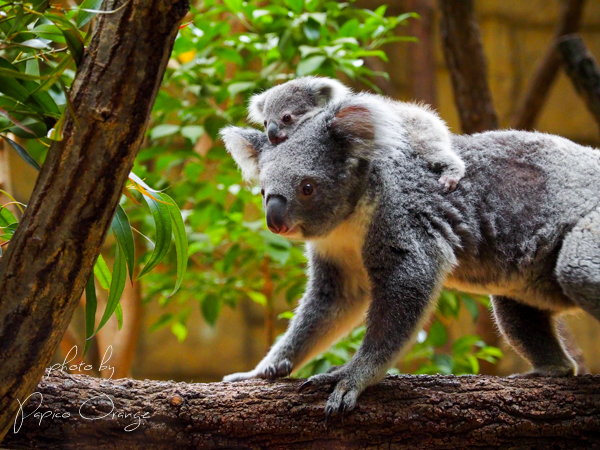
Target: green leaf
<point x="22" y="152"/>
<point x="20" y="75"/>
<point x="122" y="229"/>
<point x="211" y="306"/>
<point x="6" y="217"/>
<point x="295" y="5"/>
<point x="349" y="29"/>
<point x="180" y="331"/>
<point x="71" y="33"/>
<point x="474" y="364"/>
<point x="163" y="130"/>
<point x="12" y="88"/>
<point x="37" y="44"/>
<point x="258" y="297"/>
<point x="84" y="17"/>
<point x="102" y="273"/>
<point x="32" y="67"/>
<point x="51" y="32"/>
<point x="162" y="223"/>
<point x="464" y="345"/>
<point x="91" y="303"/>
<point x="53" y="76"/>
<point x="288" y="315"/>
<point x="437" y="334"/>
<point x="471" y="306"/>
<point x="119" y="314"/>
<point x="312" y="29"/>
<point x="181" y="242"/>
<point x="309" y="65"/>
<point x="236" y="88"/>
<point x="165" y="319"/>
<point x="192" y="132"/>
<point x="117" y="286"/>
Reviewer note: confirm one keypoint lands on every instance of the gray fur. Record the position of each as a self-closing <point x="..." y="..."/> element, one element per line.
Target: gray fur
<point x="302" y="98"/>
<point x="383" y="236"/>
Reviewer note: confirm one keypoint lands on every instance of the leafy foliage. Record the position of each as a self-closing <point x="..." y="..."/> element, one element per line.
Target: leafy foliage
<point x="39" y="46"/>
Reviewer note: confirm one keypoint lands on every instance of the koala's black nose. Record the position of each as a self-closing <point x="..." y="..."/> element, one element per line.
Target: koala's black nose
<point x="276" y="214"/>
<point x="273" y="133"/>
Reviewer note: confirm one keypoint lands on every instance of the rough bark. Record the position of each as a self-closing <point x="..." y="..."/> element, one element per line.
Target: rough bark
<point x="48" y="262"/>
<point x="582" y="68"/>
<point x="463" y="52"/>
<point x="546" y="72"/>
<point x="408" y="412"/>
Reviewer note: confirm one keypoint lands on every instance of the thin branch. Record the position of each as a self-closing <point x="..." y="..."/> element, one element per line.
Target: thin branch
<point x="545" y="74"/>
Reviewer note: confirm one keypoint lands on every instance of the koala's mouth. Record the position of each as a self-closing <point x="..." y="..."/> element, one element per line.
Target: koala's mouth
<point x="293" y="233"/>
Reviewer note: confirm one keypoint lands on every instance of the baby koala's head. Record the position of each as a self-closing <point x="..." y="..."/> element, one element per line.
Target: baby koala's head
<point x="282" y="108"/>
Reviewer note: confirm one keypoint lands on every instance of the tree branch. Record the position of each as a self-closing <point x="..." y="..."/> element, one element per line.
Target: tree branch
<point x="582" y="68"/>
<point x="408" y="412"/>
<point x="465" y="59"/>
<point x="545" y="74"/>
<point x="50" y="258"/>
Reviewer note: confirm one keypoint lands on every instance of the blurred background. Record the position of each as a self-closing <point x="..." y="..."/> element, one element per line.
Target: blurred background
<point x="243" y="282"/>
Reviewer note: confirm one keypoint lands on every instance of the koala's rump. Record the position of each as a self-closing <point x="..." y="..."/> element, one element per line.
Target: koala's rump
<point x="523" y="193"/>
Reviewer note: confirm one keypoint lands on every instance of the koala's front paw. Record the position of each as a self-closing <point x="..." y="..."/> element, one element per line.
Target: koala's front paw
<point x="547" y="371"/>
<point x="277" y="370"/>
<point x="240" y="376"/>
<point x="269" y="371"/>
<point x="449" y="182"/>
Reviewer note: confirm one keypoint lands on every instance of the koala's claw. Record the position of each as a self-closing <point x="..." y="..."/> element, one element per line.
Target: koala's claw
<point x="304" y="386"/>
<point x="328" y="413"/>
<point x="449" y="182"/>
<point x="343" y="399"/>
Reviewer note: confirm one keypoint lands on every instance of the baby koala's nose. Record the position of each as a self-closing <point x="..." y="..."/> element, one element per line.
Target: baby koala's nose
<point x="273" y="134"/>
<point x="276" y="214"/>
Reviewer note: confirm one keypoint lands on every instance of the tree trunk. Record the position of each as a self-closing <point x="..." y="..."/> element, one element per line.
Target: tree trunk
<point x="408" y="412"/>
<point x="465" y="59"/>
<point x="421" y="54"/>
<point x="49" y="260"/>
<point x="546" y="72"/>
<point x="582" y="68"/>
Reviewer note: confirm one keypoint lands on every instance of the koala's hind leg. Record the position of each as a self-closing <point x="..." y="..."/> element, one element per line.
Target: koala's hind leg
<point x="532" y="332"/>
<point x="578" y="265"/>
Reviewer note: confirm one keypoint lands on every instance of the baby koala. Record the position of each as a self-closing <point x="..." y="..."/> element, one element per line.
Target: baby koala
<point x="283" y="108"/>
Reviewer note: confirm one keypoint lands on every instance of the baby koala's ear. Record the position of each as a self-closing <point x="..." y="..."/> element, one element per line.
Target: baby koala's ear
<point x="328" y="90"/>
<point x="244" y="144"/>
<point x="256" y="107"/>
<point x="354" y="124"/>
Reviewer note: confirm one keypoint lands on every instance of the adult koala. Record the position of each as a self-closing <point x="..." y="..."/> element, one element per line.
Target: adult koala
<point x="383" y="238"/>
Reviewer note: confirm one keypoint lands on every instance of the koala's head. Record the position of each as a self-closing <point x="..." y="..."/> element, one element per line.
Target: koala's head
<point x="283" y="108"/>
<point x="312" y="181"/>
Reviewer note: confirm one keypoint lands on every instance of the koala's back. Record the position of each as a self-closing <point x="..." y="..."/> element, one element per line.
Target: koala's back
<point x="521" y="194"/>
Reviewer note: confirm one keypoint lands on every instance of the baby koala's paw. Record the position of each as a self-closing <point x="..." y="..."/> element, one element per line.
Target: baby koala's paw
<point x="449" y="182"/>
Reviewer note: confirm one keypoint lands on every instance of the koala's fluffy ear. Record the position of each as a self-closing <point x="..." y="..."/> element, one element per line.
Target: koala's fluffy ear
<point x="244" y="144"/>
<point x="256" y="107"/>
<point x="353" y="124"/>
<point x="328" y="90"/>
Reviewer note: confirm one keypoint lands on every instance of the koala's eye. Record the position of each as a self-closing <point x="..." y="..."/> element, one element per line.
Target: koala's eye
<point x="287" y="118"/>
<point x="307" y="189"/>
<point x="262" y="192"/>
<point x="265" y="122"/>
